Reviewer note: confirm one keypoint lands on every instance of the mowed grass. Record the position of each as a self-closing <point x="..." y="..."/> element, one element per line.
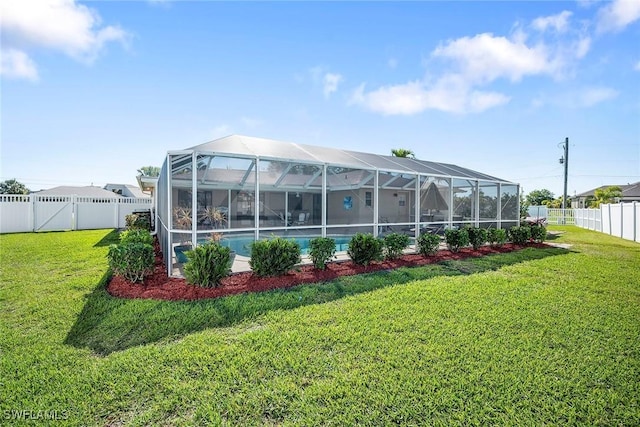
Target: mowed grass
<point x="536" y="337"/>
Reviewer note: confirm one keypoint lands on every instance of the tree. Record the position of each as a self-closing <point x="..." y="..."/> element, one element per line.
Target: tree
<point x="524" y="206"/>
<point x="151" y="171"/>
<point x="538" y="197"/>
<point x="606" y="195"/>
<point x="11" y="186"/>
<point x="557" y="203"/>
<point x="403" y="152"/>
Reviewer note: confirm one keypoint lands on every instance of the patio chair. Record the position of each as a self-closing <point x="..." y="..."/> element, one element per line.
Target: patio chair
<point x="303" y="217"/>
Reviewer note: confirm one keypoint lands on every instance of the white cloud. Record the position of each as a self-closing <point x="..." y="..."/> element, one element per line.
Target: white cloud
<point x="584" y="98"/>
<point x="450" y="94"/>
<point x="330" y="83"/>
<point x="637" y="66"/>
<point x="460" y="72"/>
<point x="582" y="46"/>
<point x="617" y="15"/>
<point x="59" y="25"/>
<point x="160" y="3"/>
<point x="559" y="22"/>
<point x="592" y="96"/>
<point x="485" y="58"/>
<point x="16" y="64"/>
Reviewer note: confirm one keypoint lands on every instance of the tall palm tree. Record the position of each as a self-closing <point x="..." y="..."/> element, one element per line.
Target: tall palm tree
<point x="151" y="171"/>
<point x="403" y="152"/>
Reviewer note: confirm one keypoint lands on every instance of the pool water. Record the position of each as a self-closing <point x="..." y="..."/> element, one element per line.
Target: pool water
<point x="242" y="245"/>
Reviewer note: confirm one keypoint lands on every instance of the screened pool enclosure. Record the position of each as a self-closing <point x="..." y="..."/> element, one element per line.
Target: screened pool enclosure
<point x="239" y="189"/>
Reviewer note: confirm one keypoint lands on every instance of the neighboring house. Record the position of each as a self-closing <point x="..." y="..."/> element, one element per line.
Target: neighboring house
<point x="109" y="191"/>
<point x="126" y="190"/>
<point x="630" y="193"/>
<point x="88" y="191"/>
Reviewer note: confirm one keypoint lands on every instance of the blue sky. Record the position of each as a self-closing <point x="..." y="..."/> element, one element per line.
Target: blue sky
<point x="91" y="91"/>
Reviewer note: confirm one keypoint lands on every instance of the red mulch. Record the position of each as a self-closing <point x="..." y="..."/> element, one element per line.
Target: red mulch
<point x="160" y="286"/>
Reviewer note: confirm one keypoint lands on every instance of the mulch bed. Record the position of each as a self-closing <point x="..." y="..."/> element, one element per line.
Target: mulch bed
<point x="159" y="286"/>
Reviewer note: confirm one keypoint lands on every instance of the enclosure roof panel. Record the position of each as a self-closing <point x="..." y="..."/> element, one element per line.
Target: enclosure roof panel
<point x="268" y="148"/>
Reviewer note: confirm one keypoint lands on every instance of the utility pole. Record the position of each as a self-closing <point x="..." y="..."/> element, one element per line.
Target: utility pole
<point x="565" y="160"/>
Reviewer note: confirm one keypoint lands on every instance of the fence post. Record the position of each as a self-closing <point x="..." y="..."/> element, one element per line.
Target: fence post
<point x="32" y="198"/>
<point x="74" y="207"/>
<point x="635" y="226"/>
<point x="621" y="220"/>
<point x="117" y="213"/>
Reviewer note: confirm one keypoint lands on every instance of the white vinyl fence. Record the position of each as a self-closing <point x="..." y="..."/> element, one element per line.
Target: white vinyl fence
<point x="54" y="213"/>
<point x="621" y="219"/>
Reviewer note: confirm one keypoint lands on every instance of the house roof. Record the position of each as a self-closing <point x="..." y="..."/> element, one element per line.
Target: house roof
<point x="592" y="192"/>
<point x="628" y="191"/>
<point x="88" y="191"/>
<point x="271" y="149"/>
<point x="631" y="190"/>
<point x="133" y="189"/>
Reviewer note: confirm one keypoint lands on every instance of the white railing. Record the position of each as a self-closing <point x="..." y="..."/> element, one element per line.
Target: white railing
<point x="560" y="216"/>
<point x="54" y="213"/>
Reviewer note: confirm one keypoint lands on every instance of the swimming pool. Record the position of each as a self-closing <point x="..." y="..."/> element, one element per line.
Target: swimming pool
<point x="242" y="245"/>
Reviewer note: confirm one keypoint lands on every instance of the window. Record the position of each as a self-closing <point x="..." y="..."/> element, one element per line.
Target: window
<point x="367" y="198"/>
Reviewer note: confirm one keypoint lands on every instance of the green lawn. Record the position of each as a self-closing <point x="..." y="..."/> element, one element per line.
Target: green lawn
<point x="537" y="337"/>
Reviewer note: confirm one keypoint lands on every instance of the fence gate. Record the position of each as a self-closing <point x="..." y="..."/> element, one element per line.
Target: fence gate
<point x="53" y="213"/>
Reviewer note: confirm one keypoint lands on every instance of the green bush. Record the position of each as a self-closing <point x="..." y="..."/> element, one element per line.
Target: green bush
<point x="321" y="251"/>
<point x="428" y="243"/>
<point x="132" y="261"/>
<point x="520" y="235"/>
<point x="393" y="244"/>
<point x="207" y="264"/>
<point x="136" y="235"/>
<point x="137" y="221"/>
<point x="497" y="236"/>
<point x="538" y="233"/>
<point x="477" y="236"/>
<point x="274" y="257"/>
<point x="364" y="248"/>
<point x="456" y="238"/>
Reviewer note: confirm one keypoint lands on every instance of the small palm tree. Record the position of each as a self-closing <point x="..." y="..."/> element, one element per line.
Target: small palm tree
<point x="403" y="152"/>
<point x="182" y="217"/>
<point x="606" y="195"/>
<point x="213" y="217"/>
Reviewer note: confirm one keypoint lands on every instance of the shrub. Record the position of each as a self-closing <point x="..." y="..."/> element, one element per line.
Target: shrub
<point x="364" y="248"/>
<point x="520" y="235"/>
<point x="497" y="236"/>
<point x="274" y="257"/>
<point x="428" y="243"/>
<point x="321" y="251"/>
<point x="136" y="235"/>
<point x="207" y="264"/>
<point x="393" y="244"/>
<point x="456" y="238"/>
<point x="477" y="236"/>
<point x="538" y="233"/>
<point x="132" y="261"/>
<point x="137" y="221"/>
